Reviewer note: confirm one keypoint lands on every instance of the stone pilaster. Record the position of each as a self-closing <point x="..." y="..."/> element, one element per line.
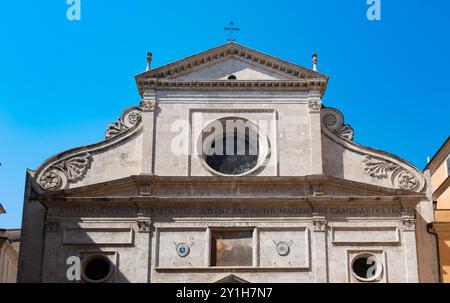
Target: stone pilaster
<point x="314" y="105"/>
<point x="143" y="248"/>
<point x="320" y="249"/>
<point x="409" y="246"/>
<point x="53" y="272"/>
<point x="148" y="106"/>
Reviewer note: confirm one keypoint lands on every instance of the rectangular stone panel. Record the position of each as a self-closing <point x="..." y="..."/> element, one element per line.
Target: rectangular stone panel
<point x="286" y="247"/>
<point x="365" y="234"/>
<point x="99" y="236"/>
<point x="180" y="247"/>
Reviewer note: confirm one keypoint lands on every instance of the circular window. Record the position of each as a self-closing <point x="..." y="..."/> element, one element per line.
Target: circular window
<point x="232" y="77"/>
<point x="96" y="268"/>
<point x="233" y="146"/>
<point x="366" y="267"/>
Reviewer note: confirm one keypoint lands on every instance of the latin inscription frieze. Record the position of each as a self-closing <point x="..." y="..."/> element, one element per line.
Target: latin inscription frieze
<point x="223" y="212"/>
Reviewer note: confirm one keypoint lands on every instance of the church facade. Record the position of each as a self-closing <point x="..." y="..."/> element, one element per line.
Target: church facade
<point x="230" y="169"/>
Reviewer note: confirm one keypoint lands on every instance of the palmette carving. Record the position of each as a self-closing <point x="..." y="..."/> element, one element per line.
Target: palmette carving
<point x="66" y="171"/>
<point x="75" y="168"/>
<point x="377" y="168"/>
<point x="400" y="176"/>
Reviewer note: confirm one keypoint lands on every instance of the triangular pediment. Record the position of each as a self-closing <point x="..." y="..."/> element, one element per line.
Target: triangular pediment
<point x="231" y="67"/>
<point x="231" y="279"/>
<point x="231" y="59"/>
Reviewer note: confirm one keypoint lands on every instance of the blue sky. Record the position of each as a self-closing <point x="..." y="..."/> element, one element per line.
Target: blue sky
<point x="62" y="82"/>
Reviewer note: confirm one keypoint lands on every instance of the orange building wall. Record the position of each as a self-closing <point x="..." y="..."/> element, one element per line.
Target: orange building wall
<point x="442" y="218"/>
<point x="444" y="256"/>
<point x="439" y="176"/>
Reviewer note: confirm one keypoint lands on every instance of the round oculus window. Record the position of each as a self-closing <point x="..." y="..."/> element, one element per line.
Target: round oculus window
<point x="96" y="268"/>
<point x="366" y="267"/>
<point x="233" y="146"/>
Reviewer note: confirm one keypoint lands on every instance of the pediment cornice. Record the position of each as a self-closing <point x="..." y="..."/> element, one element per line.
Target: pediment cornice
<point x="299" y="77"/>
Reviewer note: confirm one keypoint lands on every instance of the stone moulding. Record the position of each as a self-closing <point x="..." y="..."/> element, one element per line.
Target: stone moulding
<point x="71" y="166"/>
<point x="375" y="163"/>
<point x="300" y="77"/>
<point x="291" y="85"/>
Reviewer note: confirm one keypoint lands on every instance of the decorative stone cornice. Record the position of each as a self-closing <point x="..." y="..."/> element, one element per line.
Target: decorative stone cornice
<point x="306" y="78"/>
<point x="290" y="85"/>
<point x="228" y="50"/>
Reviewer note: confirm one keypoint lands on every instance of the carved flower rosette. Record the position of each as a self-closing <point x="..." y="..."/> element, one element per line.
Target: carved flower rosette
<point x="400" y="176"/>
<point x="60" y="174"/>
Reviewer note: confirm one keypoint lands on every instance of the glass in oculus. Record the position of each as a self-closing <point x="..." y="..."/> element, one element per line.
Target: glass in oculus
<point x="243" y="158"/>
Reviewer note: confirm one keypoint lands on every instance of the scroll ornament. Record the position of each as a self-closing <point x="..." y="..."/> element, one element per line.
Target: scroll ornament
<point x="67" y="171"/>
<point x="74" y="168"/>
<point x="128" y="119"/>
<point x="379" y="168"/>
<point x="333" y="120"/>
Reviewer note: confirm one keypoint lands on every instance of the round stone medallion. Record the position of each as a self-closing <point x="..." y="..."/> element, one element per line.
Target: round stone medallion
<point x="182" y="249"/>
<point x="282" y="248"/>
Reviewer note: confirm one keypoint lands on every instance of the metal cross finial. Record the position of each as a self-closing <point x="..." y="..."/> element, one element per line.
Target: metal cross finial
<point x="231" y="29"/>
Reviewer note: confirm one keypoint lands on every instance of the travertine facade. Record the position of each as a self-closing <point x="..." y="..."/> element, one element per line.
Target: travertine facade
<point x="149" y="203"/>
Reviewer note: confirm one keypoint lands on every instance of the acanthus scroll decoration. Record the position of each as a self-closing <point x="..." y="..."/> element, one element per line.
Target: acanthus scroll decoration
<point x="129" y="118"/>
<point x="71" y="170"/>
<point x="333" y="120"/>
<point x="377" y="168"/>
<point x="400" y="176"/>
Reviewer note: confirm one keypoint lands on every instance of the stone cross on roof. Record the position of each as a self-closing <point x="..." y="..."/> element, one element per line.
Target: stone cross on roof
<point x="231" y="29"/>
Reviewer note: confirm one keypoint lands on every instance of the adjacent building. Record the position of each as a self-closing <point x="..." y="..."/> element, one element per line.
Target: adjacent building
<point x="9" y="253"/>
<point x="229" y="169"/>
<point x="439" y="169"/>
